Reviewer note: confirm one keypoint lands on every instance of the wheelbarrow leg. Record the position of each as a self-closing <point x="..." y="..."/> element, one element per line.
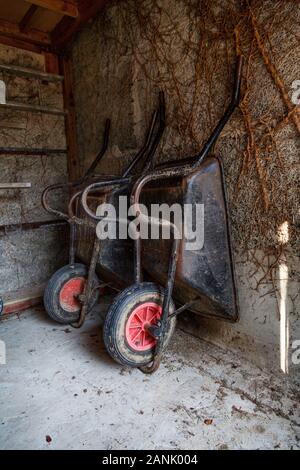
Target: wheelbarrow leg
<point x="158" y="331"/>
<point x="154" y="365"/>
<point x="85" y="297"/>
<point x="72" y="243"/>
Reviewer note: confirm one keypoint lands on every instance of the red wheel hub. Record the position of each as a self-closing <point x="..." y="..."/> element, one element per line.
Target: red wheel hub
<point x="68" y="295"/>
<point x="136" y="332"/>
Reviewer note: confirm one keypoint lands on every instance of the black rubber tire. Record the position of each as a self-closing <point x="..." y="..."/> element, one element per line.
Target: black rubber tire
<point x="54" y="286"/>
<point x="115" y="323"/>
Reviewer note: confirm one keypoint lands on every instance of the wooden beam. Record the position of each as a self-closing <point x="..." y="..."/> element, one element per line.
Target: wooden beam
<point x="15" y="302"/>
<point x="63" y="7"/>
<point x="21" y="44"/>
<point x="14" y="185"/>
<point x="30" y="151"/>
<point x="70" y="118"/>
<point x="67" y="28"/>
<point x="51" y="63"/>
<point x="27" y="17"/>
<point x="30" y="36"/>
<point x="13" y="106"/>
<point x="30" y="73"/>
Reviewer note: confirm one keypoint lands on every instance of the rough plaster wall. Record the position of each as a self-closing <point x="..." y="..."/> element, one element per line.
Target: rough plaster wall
<point x="112" y="80"/>
<point x="28" y="258"/>
<point x="96" y="102"/>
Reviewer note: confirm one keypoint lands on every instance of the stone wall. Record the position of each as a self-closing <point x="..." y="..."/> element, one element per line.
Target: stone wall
<point x="28" y="258"/>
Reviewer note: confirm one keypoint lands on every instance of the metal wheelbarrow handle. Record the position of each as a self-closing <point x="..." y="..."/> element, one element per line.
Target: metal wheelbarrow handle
<point x="100" y="155"/>
<point x="158" y="115"/>
<point x="150" y="145"/>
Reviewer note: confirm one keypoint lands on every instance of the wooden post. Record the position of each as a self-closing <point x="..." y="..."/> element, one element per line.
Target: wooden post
<point x="51" y="63"/>
<point x="27" y="18"/>
<point x="29" y="36"/>
<point x="67" y="27"/>
<point x="70" y="118"/>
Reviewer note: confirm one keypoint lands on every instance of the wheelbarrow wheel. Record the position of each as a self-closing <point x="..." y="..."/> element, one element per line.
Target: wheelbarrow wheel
<point x="61" y="294"/>
<point x="125" y="335"/>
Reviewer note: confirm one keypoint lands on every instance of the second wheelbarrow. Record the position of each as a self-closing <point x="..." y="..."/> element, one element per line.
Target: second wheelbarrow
<point x="72" y="291"/>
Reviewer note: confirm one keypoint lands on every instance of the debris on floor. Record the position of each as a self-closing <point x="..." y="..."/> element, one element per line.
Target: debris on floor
<point x="70" y="394"/>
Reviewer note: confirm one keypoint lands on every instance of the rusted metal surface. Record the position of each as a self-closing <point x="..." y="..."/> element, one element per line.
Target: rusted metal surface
<point x="15" y="185"/>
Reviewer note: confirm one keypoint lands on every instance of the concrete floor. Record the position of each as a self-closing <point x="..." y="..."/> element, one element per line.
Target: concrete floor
<point x="59" y="382"/>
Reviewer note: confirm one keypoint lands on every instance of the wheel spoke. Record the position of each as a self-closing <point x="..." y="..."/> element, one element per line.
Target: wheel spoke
<point x="145" y="312"/>
<point x="143" y="338"/>
<point x="133" y="338"/>
<point x="153" y="317"/>
<point x="139" y="317"/>
<point x="137" y="335"/>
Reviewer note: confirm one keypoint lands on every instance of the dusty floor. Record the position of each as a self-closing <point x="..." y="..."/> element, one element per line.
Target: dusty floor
<point x="59" y="382"/>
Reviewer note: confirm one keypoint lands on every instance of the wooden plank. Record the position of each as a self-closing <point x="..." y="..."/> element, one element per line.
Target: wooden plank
<point x="51" y="63"/>
<point x="67" y="28"/>
<point x="31" y="35"/>
<point x="14" y="185"/>
<point x="46" y="20"/>
<point x="19" y="304"/>
<point x="30" y="151"/>
<point x="21" y="44"/>
<point x="63" y="7"/>
<point x="70" y="119"/>
<point x="13" y="10"/>
<point x="27" y="17"/>
<point x="30" y="73"/>
<point x="32" y="108"/>
<point x="22" y="299"/>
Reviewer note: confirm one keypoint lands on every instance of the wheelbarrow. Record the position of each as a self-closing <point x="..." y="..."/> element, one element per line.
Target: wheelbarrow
<point x="141" y="319"/>
<point x="73" y="290"/>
